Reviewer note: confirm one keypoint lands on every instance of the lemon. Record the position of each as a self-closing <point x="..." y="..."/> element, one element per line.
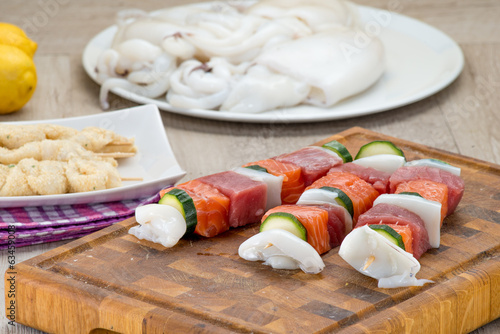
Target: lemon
<point x="17" y="78"/>
<point x="13" y="35"/>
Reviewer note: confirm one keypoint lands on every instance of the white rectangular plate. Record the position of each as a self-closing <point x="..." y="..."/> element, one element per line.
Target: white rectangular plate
<point x="154" y="162"/>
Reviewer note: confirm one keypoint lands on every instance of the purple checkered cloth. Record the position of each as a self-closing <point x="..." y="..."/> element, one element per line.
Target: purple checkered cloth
<point x="36" y="225"/>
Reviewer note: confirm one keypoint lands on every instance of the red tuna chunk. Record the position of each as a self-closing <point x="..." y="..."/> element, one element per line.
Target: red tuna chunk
<point x="247" y="198"/>
<point x="314" y="162"/>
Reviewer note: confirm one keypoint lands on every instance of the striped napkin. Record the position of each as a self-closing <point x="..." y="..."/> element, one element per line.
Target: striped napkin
<point x="36" y="225"/>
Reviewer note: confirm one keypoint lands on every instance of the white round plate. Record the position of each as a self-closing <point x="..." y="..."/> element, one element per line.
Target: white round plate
<point x="421" y="61"/>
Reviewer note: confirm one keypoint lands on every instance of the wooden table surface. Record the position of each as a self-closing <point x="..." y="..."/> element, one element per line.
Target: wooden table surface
<point x="462" y="118"/>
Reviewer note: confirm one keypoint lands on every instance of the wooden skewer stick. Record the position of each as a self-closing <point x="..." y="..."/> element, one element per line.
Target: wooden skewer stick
<point x="369" y="262"/>
<point x="132" y="179"/>
<point x="116" y="155"/>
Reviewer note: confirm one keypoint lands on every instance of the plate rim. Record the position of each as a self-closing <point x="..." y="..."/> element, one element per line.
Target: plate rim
<point x="281" y="115"/>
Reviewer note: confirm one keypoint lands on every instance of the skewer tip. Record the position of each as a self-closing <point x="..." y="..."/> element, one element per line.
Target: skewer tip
<point x="132" y="179"/>
<point x="369" y="261"/>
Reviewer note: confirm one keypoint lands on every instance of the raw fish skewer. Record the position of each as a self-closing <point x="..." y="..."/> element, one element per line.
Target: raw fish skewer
<point x="397" y="265"/>
<point x="406" y="217"/>
<point x="212" y="204"/>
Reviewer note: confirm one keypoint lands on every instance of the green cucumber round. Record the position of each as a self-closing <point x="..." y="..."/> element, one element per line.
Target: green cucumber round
<point x="413" y="193"/>
<point x="257" y="168"/>
<point x="390" y="234"/>
<point x="378" y="147"/>
<point x="340" y="149"/>
<point x="284" y="221"/>
<point x="180" y="200"/>
<point x="342" y="199"/>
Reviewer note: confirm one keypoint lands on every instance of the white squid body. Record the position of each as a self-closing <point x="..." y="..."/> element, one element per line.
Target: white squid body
<point x="281" y="249"/>
<point x="260" y="90"/>
<point x="319" y="15"/>
<point x="391" y="265"/>
<point x="159" y="223"/>
<point x="388" y="163"/>
<point x="428" y="211"/>
<point x="331" y="71"/>
<point x="436" y="164"/>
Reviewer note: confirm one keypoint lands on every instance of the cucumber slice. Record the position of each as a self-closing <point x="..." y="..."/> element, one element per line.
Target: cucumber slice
<point x="342" y="199"/>
<point x="378" y="147"/>
<point x="180" y="200"/>
<point x="389" y="233"/>
<point x="284" y="221"/>
<point x="340" y="149"/>
<point x="410" y="193"/>
<point x="257" y="168"/>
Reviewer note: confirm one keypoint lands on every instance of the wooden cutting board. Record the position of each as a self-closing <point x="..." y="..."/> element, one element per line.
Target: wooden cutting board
<point x="111" y="282"/>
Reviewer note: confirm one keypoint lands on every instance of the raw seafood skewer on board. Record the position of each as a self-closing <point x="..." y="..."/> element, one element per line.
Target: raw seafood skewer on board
<point x="210" y="205"/>
<point x="409" y="222"/>
<point x="324" y="214"/>
<point x="388" y="239"/>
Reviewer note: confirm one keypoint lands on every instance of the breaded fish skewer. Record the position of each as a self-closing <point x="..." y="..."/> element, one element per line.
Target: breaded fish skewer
<point x="92" y="138"/>
<point x="31" y="177"/>
<point x="58" y="150"/>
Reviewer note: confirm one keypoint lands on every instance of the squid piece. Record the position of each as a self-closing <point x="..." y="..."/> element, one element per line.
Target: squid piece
<point x="130" y="56"/>
<point x="31" y="177"/>
<point x="374" y="255"/>
<point x="388" y="163"/>
<point x="262" y="90"/>
<point x="429" y="211"/>
<point x="143" y="68"/>
<point x="153" y="28"/>
<point x="319" y="15"/>
<point x="281" y="249"/>
<point x="59" y="150"/>
<point x="198" y="85"/>
<point x="332" y="73"/>
<point x="159" y="223"/>
<point x="150" y="81"/>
